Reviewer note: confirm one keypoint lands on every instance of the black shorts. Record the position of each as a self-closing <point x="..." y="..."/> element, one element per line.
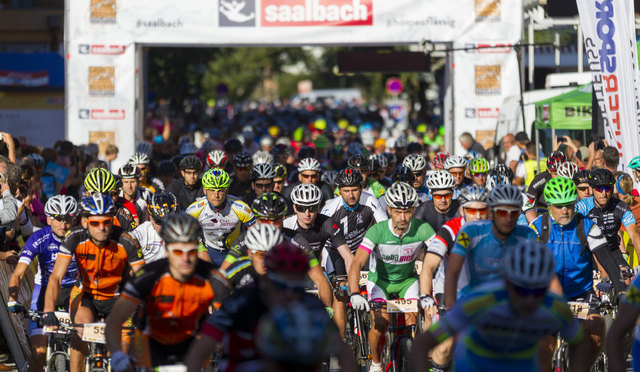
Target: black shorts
<point x="335" y="263"/>
<point x="100" y="308"/>
<point x="168" y="354"/>
<point x="63" y="298"/>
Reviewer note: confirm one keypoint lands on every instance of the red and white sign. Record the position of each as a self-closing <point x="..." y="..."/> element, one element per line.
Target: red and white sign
<point x="107" y="50"/>
<point x="494" y="48"/>
<point x="97" y="114"/>
<point x="24" y="79"/>
<point x="488" y="112"/>
<point x="280" y="13"/>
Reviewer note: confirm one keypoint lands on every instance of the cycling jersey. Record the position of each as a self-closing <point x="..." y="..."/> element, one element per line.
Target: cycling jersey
<point x="124" y="218"/>
<point x="609" y="218"/>
<point x="536" y="188"/>
<point x="458" y="188"/>
<point x="428" y="213"/>
<point x="173" y="309"/>
<point x="221" y="226"/>
<point x="122" y="202"/>
<point x="102" y="268"/>
<point x="491" y="336"/>
<point x="150" y="242"/>
<point x="441" y="245"/>
<point x="484" y="251"/>
<point x="186" y="194"/>
<point x="143" y="195"/>
<point x="241" y="274"/>
<point x="376" y="188"/>
<point x="324" y="229"/>
<point x="574" y="266"/>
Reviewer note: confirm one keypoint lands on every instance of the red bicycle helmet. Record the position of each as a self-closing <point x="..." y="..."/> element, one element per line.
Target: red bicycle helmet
<point x="287" y="258"/>
<point x="438" y="160"/>
<point x="554" y="160"/>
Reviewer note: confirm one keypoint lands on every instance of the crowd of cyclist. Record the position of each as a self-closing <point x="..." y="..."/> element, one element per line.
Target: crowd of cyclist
<point x="213" y="256"/>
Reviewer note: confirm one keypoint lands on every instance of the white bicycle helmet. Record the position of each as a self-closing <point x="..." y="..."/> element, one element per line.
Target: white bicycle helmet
<point x="144" y="148"/>
<point x="401" y="196"/>
<point x="308" y="164"/>
<point x="567" y="169"/>
<point x="216" y="158"/>
<point x="139" y="158"/>
<point x="306" y="194"/>
<point x="266" y="141"/>
<point x="415" y="162"/>
<point x="529" y="264"/>
<point x="330" y="178"/>
<point x="262" y="171"/>
<point x="61" y="205"/>
<point x="455" y="161"/>
<point x="473" y="193"/>
<point x="262" y="156"/>
<point x="441" y="180"/>
<point x="496" y="179"/>
<point x="262" y="237"/>
<point x="505" y="195"/>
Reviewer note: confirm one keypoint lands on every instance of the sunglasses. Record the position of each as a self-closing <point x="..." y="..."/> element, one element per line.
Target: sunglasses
<point x="583" y="188"/>
<point x="104" y="222"/>
<point x="67" y="219"/>
<point x="602" y="189"/>
<point x="480" y="175"/>
<point x="524" y="292"/>
<point x="418" y="174"/>
<point x="278" y="182"/>
<point x="482" y="211"/>
<point x="305" y="176"/>
<point x="457" y="173"/>
<point x="567" y="206"/>
<point x="270" y="221"/>
<point x="442" y="196"/>
<point x="263" y="185"/>
<point x="506" y="212"/>
<point x="304" y="208"/>
<point x="181" y="252"/>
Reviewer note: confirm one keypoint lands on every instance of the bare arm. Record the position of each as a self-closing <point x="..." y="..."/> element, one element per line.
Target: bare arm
<point x="614" y="348"/>
<point x="324" y="288"/>
<point x="199" y="350"/>
<point x="420" y="351"/>
<point x="354" y="273"/>
<point x="429" y="267"/>
<point x="346" y="255"/>
<point x="166" y="131"/>
<point x="632" y="230"/>
<point x="454" y="267"/>
<point x="122" y="310"/>
<point x="55" y="280"/>
<point x="16" y="278"/>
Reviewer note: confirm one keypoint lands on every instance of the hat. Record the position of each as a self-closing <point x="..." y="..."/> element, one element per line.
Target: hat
<point x="380" y="142"/>
<point x="321" y="142"/>
<point x="582" y="153"/>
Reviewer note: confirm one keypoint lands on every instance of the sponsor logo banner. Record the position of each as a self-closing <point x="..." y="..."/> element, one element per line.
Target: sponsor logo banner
<point x="237" y="13"/>
<point x="488" y="10"/>
<point x="102" y="81"/>
<point x="488" y="112"/>
<point x="111" y="50"/>
<point x="279" y="13"/>
<point x="103" y="12"/>
<point x="470" y="112"/>
<point x="100" y="114"/>
<point x="24" y="79"/>
<point x="488" y="80"/>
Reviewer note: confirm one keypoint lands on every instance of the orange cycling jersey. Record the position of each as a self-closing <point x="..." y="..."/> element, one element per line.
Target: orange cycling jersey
<point x="174" y="309"/>
<point x="102" y="268"/>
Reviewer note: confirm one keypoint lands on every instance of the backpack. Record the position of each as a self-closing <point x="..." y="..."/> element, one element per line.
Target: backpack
<point x="546" y="225"/>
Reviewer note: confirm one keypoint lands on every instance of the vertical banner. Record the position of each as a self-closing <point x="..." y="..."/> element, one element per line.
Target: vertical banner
<point x="610" y="44"/>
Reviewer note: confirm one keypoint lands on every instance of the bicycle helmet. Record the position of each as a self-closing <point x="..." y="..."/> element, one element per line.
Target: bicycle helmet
<point x="349" y="177"/>
<point x="560" y="190"/>
<point x="403" y="174"/>
<point x="262" y="171"/>
<point x="358" y="161"/>
<point x="384" y="163"/>
<point x="567" y="169"/>
<point x="215" y="179"/>
<point x="401" y="196"/>
<point x="266" y="141"/>
<point x="188" y="148"/>
<point x="471" y="194"/>
<point x="330" y="178"/>
<point x="401" y="143"/>
<point x="181" y="228"/>
<point x="232" y="146"/>
<point x="392" y="159"/>
<point x="439" y="160"/>
<point x="191" y="162"/>
<point x="242" y="160"/>
<point x="308" y="164"/>
<point x="269" y="205"/>
<point x="633" y="164"/>
<point x="601" y="177"/>
<point x="118" y="182"/>
<point x="262" y="237"/>
<point x="61" y="205"/>
<point x="139" y="158"/>
<point x="161" y="205"/>
<point x="97" y="204"/>
<point x="262" y="156"/>
<point x="306" y="194"/>
<point x="144" y="148"/>
<point x="99" y="180"/>
<point x="554" y="160"/>
<point x="479" y="165"/>
<point x="281" y="170"/>
<point x="495" y="180"/>
<point x="374" y="165"/>
<point x="296" y="335"/>
<point x="504" y="171"/>
<point x="287" y="258"/>
<point x="440" y="180"/>
<point x="129" y="171"/>
<point x="166" y="168"/>
<point x="355" y="148"/>
<point x="217" y="159"/>
<point x="38" y="160"/>
<point x="306" y="152"/>
<point x="529" y="264"/>
<point x="505" y="195"/>
<point x="455" y="161"/>
<point x="415" y="162"/>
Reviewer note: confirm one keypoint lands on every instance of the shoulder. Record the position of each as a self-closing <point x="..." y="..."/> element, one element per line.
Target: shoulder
<point x="422" y="227"/>
<point x="197" y="206"/>
<point x="38" y="237"/>
<point x="77" y="235"/>
<point x="331" y="206"/>
<point x="239" y="206"/>
<point x="525" y="232"/>
<point x="152" y="271"/>
<point x="619" y="204"/>
<point x="291" y="222"/>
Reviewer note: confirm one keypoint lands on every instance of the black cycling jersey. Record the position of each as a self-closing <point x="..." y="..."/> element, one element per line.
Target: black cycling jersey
<point x="249" y="198"/>
<point x="536" y="188"/>
<point x="324" y="229"/>
<point x="427" y="212"/>
<point x="609" y="219"/>
<point x="240" y="250"/>
<point x="184" y="193"/>
<point x="241" y="274"/>
<point x="240" y="189"/>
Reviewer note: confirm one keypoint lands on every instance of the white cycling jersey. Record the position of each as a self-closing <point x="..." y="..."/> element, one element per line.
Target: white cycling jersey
<point x="151" y="243"/>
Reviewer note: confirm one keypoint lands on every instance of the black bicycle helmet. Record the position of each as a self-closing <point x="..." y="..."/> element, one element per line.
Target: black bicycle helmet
<point x="358" y="161"/>
<point x="191" y="162"/>
<point x="403" y="174"/>
<point x="233" y="146"/>
<point x="601" y="177"/>
<point x="581" y="176"/>
<point x="243" y="160"/>
<point x="269" y="205"/>
<point x="161" y="205"/>
<point x="501" y="170"/>
<point x="349" y="177"/>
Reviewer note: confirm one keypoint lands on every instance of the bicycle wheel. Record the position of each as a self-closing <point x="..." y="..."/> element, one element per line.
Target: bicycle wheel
<point x="60" y="363"/>
<point x="561" y="358"/>
<point x="386" y="353"/>
<point x="403" y="351"/>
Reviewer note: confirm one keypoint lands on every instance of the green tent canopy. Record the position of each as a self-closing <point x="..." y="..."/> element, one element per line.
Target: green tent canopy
<point x="571" y="110"/>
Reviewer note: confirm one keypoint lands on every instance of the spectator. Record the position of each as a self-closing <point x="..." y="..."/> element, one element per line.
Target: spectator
<point x="110" y="154"/>
<point x="511" y="151"/>
<point x="581" y="157"/>
<point x="527" y="169"/>
<point x="611" y="158"/>
<point x="522" y="139"/>
<point x="469" y="144"/>
<point x="596" y="157"/>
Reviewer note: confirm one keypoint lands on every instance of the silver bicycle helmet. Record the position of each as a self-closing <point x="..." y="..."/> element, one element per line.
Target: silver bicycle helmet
<point x="262" y="171"/>
<point x="129" y="171"/>
<point x="144" y="148"/>
<point x="472" y="194"/>
<point x="401" y="196"/>
<point x="262" y="237"/>
<point x="567" y="169"/>
<point x="441" y="180"/>
<point x="306" y="194"/>
<point x="455" y="161"/>
<point x="415" y="162"/>
<point x="61" y="205"/>
<point x="262" y="156"/>
<point x="216" y="158"/>
<point x="182" y="228"/>
<point x="139" y="158"/>
<point x="308" y="164"/>
<point x="505" y="195"/>
<point x="529" y="264"/>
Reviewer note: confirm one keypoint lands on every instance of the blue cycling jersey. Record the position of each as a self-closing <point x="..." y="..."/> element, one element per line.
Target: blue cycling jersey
<point x="44" y="245"/>
<point x="609" y="218"/>
<point x="632" y="297"/>
<point x="483" y="251"/>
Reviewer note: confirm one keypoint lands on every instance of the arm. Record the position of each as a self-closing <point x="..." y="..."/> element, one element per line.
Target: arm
<point x="632" y="230"/>
<point x="16" y="278"/>
<point x="122" y="310"/>
<point x="362" y="255"/>
<point x="626" y="320"/>
<point x="422" y="345"/>
<point x="454" y="267"/>
<point x="9" y="212"/>
<point x="166" y="131"/>
<point x="429" y="267"/>
<point x="11" y="146"/>
<point x="55" y="280"/>
<point x="324" y="288"/>
<point x="199" y="350"/>
<point x="346" y="255"/>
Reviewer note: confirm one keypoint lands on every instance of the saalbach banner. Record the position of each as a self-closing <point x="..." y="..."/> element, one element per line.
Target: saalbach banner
<point x="610" y="44"/>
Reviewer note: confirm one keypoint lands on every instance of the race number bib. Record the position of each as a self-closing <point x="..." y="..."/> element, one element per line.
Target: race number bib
<point x="580" y="310"/>
<point x="364" y="276"/>
<point x="402" y="306"/>
<point x="94" y="332"/>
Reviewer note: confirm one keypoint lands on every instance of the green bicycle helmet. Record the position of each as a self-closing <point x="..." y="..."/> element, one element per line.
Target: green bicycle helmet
<point x="635" y="163"/>
<point x="215" y="179"/>
<point x="479" y="165"/>
<point x="560" y="190"/>
<point x="100" y="180"/>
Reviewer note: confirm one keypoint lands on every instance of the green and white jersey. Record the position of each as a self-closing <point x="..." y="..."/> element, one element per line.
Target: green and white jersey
<point x="392" y="256"/>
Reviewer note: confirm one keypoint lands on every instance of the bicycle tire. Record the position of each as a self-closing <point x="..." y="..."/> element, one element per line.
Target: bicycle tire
<point x="403" y="347"/>
<point x="561" y="358"/>
<point x="386" y="354"/>
<point x="60" y="363"/>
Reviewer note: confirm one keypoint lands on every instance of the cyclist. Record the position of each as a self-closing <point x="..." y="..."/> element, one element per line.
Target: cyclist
<point x="536" y="187"/>
<point x="441" y="208"/>
<point x="395" y="245"/>
<point x="176" y="292"/>
<point x="103" y="254"/>
<point x="261" y="176"/>
<point x="418" y="166"/>
<point x="259" y="240"/>
<point x="499" y="326"/>
<point x="483" y="243"/>
<point x="44" y="244"/>
<point x="457" y="165"/>
<point x="610" y="214"/>
<point x="279" y="182"/>
<point x="160" y="206"/>
<point x="309" y="173"/>
<point x="222" y="216"/>
<point x="241" y="185"/>
<point x="581" y="179"/>
<point x="501" y="175"/>
<point x="623" y="326"/>
<point x="377" y="167"/>
<point x="361" y="163"/>
<point x="102" y="181"/>
<point x="217" y="159"/>
<point x="133" y="192"/>
<point x="479" y="170"/>
<point x="142" y="160"/>
<point x="188" y="188"/>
